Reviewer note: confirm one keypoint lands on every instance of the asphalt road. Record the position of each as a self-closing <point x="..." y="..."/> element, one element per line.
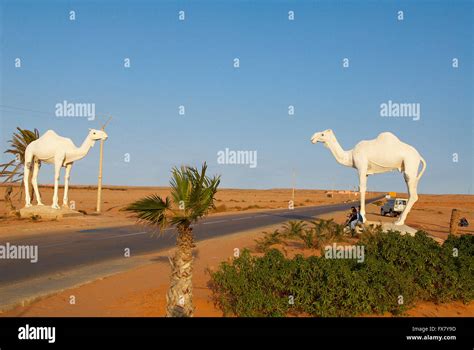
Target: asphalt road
<point x="69" y="250"/>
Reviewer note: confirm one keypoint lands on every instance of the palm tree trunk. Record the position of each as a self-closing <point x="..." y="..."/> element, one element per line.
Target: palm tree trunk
<point x="9" y="207"/>
<point x="179" y="298"/>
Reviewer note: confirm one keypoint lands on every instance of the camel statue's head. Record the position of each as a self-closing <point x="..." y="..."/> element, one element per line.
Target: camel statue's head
<point x="322" y="136"/>
<point x="97" y="134"/>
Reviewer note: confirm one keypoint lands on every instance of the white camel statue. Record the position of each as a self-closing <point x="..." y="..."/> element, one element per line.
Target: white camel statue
<point x="383" y="154"/>
<point x="60" y="151"/>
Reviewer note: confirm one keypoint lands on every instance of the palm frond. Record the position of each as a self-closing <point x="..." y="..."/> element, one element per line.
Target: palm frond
<point x="189" y="187"/>
<point x="151" y="210"/>
<point x="203" y="190"/>
<point x="20" y="140"/>
<point x="180" y="187"/>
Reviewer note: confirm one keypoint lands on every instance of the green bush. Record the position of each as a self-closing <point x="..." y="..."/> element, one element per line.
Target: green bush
<point x="269" y="239"/>
<point x="323" y="231"/>
<point x="416" y="268"/>
<point x="312" y="233"/>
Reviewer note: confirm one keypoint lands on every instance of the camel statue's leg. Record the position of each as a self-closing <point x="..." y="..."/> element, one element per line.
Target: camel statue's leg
<point x="412" y="182"/>
<point x="34" y="181"/>
<point x="26" y="177"/>
<point x="362" y="189"/>
<point x="58" y="160"/>
<point x="66" y="185"/>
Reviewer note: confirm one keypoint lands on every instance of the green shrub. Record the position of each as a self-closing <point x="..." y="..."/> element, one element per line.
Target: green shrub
<point x="395" y="266"/>
<point x="268" y="239"/>
<point x="309" y="238"/>
<point x="293" y="229"/>
<point x="312" y="233"/>
<point x="321" y="232"/>
<point x="247" y="287"/>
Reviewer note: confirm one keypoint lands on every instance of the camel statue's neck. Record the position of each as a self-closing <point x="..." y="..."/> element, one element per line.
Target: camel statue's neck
<point x="342" y="157"/>
<point x="82" y="151"/>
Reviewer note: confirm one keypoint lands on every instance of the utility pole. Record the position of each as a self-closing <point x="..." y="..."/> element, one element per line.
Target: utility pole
<point x="293" y="190"/>
<point x="99" y="182"/>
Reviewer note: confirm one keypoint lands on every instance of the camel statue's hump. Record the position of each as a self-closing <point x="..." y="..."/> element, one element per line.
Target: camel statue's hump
<point x="387" y="136"/>
<point x="384" y="139"/>
<point x="50" y="133"/>
<point x="51" y="136"/>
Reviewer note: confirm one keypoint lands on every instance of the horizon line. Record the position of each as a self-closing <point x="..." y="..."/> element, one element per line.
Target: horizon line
<point x="87" y="186"/>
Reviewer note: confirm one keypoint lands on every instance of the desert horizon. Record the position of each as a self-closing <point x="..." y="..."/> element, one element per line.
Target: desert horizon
<point x="346" y="190"/>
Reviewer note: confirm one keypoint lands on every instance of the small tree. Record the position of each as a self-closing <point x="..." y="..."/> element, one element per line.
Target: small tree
<point x="192" y="196"/>
<point x="13" y="170"/>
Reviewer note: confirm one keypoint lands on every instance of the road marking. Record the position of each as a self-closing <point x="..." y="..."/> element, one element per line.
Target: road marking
<point x="97" y="239"/>
<point x="125" y="235"/>
<point x="214" y="222"/>
<point x="54" y="245"/>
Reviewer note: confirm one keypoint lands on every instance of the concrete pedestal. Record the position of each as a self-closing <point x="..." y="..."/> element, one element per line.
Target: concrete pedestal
<point x="45" y="212"/>
<point x="387" y="226"/>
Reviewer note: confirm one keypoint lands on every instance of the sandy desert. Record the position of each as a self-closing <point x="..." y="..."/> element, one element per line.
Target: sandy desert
<point x="117" y="197"/>
<point x="431" y="213"/>
<point x="141" y="290"/>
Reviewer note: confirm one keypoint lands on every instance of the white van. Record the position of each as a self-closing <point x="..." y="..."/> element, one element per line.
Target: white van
<point x="393" y="207"/>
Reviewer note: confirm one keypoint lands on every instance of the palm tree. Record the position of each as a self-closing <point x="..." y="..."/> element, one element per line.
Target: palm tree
<point x="18" y="144"/>
<point x="12" y="171"/>
<point x="192" y="196"/>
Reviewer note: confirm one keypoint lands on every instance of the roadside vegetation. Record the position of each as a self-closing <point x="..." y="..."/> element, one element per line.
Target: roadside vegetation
<point x="397" y="272"/>
<point x="312" y="233"/>
<point x="11" y="172"/>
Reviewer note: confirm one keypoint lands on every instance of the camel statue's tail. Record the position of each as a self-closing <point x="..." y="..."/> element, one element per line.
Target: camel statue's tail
<point x="423" y="162"/>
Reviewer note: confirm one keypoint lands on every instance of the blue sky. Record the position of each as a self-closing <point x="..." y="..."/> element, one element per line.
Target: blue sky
<point x="282" y="63"/>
